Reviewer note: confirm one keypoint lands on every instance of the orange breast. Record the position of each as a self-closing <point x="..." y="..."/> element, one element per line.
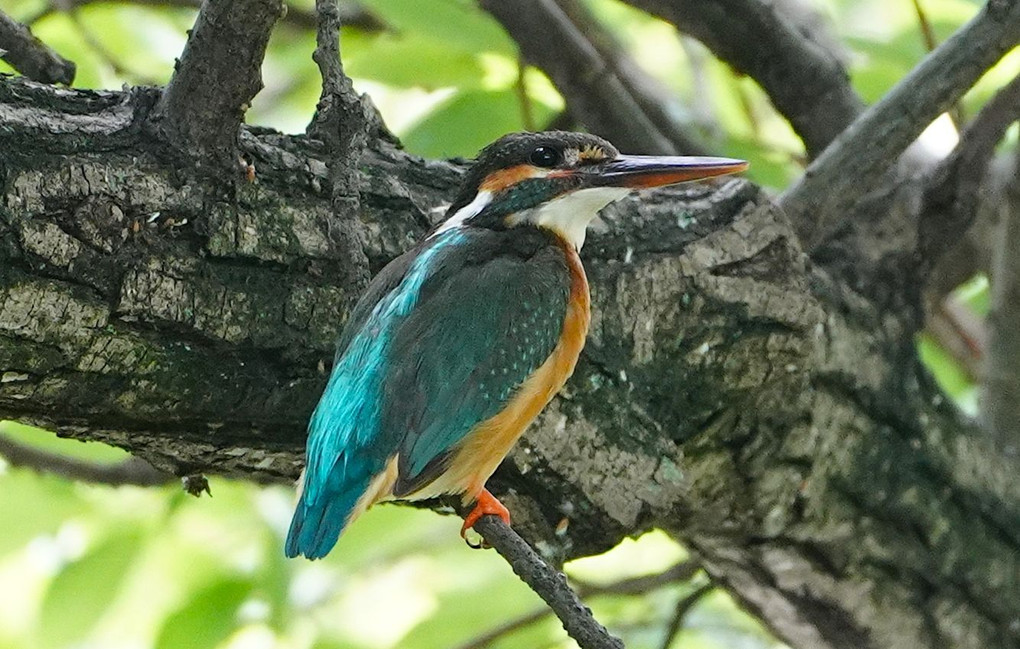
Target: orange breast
<point x="490" y="441"/>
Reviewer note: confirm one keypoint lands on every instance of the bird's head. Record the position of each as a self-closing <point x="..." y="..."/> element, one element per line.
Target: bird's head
<point x="559" y="180"/>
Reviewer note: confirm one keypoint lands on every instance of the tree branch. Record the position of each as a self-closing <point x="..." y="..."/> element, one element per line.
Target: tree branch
<point x="342" y="121"/>
<point x="951" y="192"/>
<point x="216" y="77"/>
<point x="30" y="56"/>
<point x="1001" y="397"/>
<point x="132" y="471"/>
<point x="820" y="200"/>
<point x="806" y="82"/>
<point x="604" y="88"/>
<point x="548" y="583"/>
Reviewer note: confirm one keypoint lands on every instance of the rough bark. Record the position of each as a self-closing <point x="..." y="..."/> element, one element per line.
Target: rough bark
<point x="731" y="392"/>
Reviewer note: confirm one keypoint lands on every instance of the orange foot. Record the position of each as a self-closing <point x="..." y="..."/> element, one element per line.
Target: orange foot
<point x="486" y="503"/>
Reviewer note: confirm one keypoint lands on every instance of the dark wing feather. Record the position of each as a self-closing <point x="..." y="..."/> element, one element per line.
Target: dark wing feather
<point x="481" y="326"/>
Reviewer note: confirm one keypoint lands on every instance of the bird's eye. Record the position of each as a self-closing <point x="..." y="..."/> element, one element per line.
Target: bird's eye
<point x="546" y="156"/>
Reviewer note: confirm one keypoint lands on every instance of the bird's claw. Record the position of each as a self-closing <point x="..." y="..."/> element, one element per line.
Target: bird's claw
<point x="485" y="504"/>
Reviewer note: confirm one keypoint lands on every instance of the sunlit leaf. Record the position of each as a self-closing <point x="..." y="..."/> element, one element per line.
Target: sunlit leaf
<point x="83" y="590"/>
<point x="468" y="121"/>
<point x="207" y="619"/>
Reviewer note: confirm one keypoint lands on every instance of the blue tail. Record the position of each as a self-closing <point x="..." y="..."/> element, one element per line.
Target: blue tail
<point x="316" y="526"/>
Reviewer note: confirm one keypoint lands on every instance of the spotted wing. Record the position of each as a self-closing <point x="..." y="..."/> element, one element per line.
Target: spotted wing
<point x="478" y="331"/>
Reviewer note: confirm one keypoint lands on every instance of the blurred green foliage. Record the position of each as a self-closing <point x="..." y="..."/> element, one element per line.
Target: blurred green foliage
<point x="88" y="566"/>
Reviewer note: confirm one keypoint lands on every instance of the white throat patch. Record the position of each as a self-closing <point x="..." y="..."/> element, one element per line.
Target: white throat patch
<point x="570" y="214"/>
<point x="463" y="214"/>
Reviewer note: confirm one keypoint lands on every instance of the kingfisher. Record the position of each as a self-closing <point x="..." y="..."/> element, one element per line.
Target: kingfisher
<point x="459" y="343"/>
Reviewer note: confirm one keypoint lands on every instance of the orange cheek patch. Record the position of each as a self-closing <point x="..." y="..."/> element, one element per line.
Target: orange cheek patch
<point x="500" y="180"/>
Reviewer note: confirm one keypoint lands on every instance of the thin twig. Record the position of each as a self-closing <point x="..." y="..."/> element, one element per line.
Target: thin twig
<point x="825" y="195"/>
<point x="521" y="88"/>
<point x="216" y="78"/>
<point x="683" y="607"/>
<point x="30" y="56"/>
<point x="132" y="471"/>
<point x="548" y="583"/>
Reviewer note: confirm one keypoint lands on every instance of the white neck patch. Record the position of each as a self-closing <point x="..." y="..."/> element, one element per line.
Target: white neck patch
<point x="570" y="214"/>
<point x="463" y="214"/>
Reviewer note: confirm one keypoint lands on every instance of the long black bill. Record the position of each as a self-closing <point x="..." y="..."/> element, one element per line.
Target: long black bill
<point x="637" y="171"/>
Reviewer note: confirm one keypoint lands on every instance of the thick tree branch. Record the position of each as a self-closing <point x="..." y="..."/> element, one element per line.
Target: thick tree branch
<point x="30" y="56"/>
<point x="1001" y="398"/>
<point x="550" y="584"/>
<point x="806" y="82"/>
<point x="731" y="394"/>
<point x="951" y="193"/>
<point x="604" y="88"/>
<point x="132" y="471"/>
<point x="216" y="78"/>
<point x="869" y="147"/>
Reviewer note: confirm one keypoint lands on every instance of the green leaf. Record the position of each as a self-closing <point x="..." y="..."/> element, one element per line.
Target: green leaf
<point x="415" y="62"/>
<point x="468" y="121"/>
<point x="80" y="594"/>
<point x="207" y="619"/>
<point x="459" y="24"/>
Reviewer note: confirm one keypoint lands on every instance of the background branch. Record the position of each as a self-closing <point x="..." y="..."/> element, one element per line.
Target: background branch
<point x="1001" y="397"/>
<point x="132" y="471"/>
<point x="824" y="196"/>
<point x="683" y="607"/>
<point x="216" y="77"/>
<point x="950" y="200"/>
<point x="801" y="74"/>
<point x="604" y="88"/>
<point x="30" y="56"/>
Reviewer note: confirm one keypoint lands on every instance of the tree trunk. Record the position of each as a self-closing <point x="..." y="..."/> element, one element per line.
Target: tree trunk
<point x="774" y="419"/>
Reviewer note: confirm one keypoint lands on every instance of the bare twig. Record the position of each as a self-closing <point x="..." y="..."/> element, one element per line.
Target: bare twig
<point x="521" y="88"/>
<point x="29" y="56"/>
<point x="548" y="583"/>
<point x="1001" y="395"/>
<point x="950" y="199"/>
<point x="806" y="81"/>
<point x="342" y="122"/>
<point x="683" y="607"/>
<point x="604" y="88"/>
<point x="132" y="471"/>
<point x="629" y="586"/>
<point x="819" y="200"/>
<point x="217" y="76"/>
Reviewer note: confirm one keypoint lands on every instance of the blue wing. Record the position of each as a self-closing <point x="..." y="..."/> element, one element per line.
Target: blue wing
<point x="437" y="346"/>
